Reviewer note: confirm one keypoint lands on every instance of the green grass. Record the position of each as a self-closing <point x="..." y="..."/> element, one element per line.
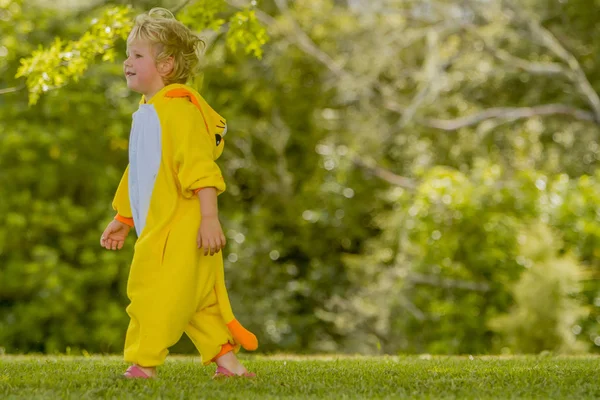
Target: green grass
<point x="64" y="377"/>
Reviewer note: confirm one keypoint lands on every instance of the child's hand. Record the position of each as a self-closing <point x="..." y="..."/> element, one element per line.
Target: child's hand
<point x="114" y="235"/>
<point x="210" y="235"/>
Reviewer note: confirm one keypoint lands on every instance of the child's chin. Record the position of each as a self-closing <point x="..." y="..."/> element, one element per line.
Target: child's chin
<point x="131" y="84"/>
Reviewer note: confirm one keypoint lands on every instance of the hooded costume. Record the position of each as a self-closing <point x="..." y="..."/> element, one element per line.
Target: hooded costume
<point x="173" y="287"/>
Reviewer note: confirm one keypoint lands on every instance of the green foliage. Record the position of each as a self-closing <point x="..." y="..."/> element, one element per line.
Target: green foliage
<point x="576" y="217"/>
<point x="546" y="310"/>
<point x="67" y="60"/>
<point x="246" y="31"/>
<point x="446" y="258"/>
<point x="323" y="254"/>
<point x="203" y="14"/>
<point x="58" y="162"/>
<point x="51" y="261"/>
<point x="64" y="61"/>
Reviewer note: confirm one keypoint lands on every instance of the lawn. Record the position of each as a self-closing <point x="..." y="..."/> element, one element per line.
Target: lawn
<point x="331" y="377"/>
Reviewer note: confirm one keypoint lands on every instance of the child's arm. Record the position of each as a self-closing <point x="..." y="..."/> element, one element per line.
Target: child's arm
<point x="117" y="230"/>
<point x="114" y="235"/>
<point x="121" y="201"/>
<point x="194" y="159"/>
<point x="199" y="175"/>
<point x="210" y="234"/>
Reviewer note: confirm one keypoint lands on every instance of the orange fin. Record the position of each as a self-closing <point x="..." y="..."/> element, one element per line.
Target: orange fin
<point x="242" y="335"/>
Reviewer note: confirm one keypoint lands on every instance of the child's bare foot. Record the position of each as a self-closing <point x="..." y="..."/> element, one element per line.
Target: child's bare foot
<point x="137" y="371"/>
<point x="230" y="362"/>
<point x="151" y="371"/>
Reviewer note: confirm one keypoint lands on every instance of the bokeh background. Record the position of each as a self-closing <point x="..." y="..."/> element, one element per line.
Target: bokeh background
<point x="403" y="176"/>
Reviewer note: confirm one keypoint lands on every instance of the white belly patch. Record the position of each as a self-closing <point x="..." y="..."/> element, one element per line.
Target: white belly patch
<point x="145" y="153"/>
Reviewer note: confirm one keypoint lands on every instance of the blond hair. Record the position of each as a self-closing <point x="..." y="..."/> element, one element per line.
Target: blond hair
<point x="172" y="39"/>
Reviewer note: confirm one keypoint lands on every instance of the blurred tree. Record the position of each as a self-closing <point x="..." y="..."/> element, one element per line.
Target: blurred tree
<point x="384" y="160"/>
<point x="547" y="310"/>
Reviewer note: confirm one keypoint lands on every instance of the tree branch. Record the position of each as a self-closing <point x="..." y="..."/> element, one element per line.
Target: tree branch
<point x="385" y="174"/>
<point x="261" y="15"/>
<point x="548" y="40"/>
<point x="532" y="67"/>
<point x="12" y="89"/>
<point x="431" y="71"/>
<point x="306" y="43"/>
<point x="412" y="308"/>
<point x="509" y="113"/>
<point x="422" y="279"/>
<point x="300" y="38"/>
<point x="180" y="7"/>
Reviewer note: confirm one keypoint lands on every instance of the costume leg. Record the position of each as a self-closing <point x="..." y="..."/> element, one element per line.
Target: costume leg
<point x="163" y="289"/>
<point x="208" y="331"/>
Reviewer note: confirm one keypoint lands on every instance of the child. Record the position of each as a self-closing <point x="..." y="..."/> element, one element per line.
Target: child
<point x="169" y="194"/>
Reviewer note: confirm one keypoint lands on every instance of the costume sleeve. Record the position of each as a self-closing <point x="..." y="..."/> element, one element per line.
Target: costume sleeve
<point x="121" y="200"/>
<point x="194" y="156"/>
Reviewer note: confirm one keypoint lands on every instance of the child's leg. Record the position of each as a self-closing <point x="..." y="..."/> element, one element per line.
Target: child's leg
<point x="163" y="299"/>
<point x="159" y="327"/>
<point x="230" y="362"/>
<point x="135" y="371"/>
<point x="212" y="338"/>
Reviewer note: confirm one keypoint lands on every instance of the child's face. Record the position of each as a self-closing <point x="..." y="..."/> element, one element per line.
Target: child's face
<point x="141" y="70"/>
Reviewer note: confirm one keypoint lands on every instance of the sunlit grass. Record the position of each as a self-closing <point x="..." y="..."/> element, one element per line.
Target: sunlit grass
<point x="332" y="377"/>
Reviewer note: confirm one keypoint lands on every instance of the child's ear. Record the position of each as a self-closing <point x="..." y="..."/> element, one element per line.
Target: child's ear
<point x="166" y="67"/>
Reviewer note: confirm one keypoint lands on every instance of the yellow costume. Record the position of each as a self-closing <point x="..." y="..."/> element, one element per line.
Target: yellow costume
<point x="173" y="287"/>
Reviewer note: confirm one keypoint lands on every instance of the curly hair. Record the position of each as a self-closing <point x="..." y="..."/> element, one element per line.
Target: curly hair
<point x="172" y="39"/>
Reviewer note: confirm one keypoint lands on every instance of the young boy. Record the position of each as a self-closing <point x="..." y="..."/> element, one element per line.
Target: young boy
<point x="169" y="194"/>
